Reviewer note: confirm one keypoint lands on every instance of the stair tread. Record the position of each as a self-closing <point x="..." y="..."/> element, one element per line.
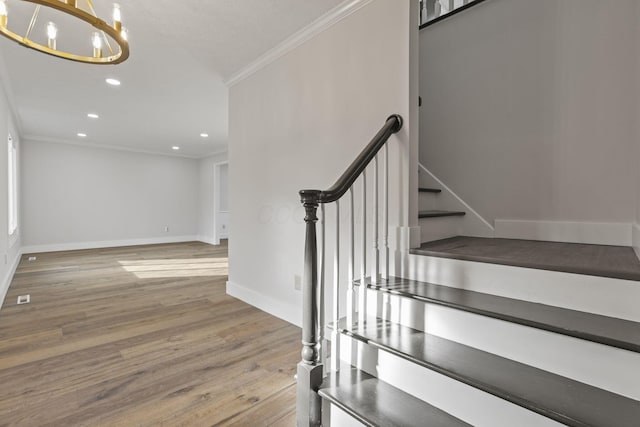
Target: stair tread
<point x="618" y="262"/>
<point x="429" y="190"/>
<point x="439" y="213"/>
<point x="376" y="403"/>
<point x="606" y="330"/>
<point x="562" y="399"/>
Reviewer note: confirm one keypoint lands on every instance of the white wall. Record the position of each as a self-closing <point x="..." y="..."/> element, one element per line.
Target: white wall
<point x="298" y="123"/>
<point x="527" y="109"/>
<point x="80" y="197"/>
<point x="636" y="228"/>
<point x="206" y="211"/>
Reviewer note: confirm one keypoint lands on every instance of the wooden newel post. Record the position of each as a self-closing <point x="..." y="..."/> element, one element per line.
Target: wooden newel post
<point x="309" y="405"/>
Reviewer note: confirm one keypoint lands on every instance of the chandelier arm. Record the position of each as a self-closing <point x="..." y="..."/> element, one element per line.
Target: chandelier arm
<point x="32" y="23"/>
<point x="69" y="7"/>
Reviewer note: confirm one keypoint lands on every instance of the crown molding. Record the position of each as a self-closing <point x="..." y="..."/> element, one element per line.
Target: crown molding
<point x="87" y="144"/>
<point x="321" y="24"/>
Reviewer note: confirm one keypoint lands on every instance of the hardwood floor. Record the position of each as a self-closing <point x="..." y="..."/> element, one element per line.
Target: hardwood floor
<point x="141" y="336"/>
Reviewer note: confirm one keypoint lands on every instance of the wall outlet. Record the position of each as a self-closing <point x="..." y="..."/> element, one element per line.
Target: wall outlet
<point x="166" y="228"/>
<point x="31" y="259"/>
<point x="297" y="283"/>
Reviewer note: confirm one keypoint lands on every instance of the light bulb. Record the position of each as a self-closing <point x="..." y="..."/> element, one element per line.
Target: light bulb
<point x="117" y="16"/>
<point x="96" y="40"/>
<point x="52" y="31"/>
<point x="3" y="14"/>
<point x="125" y="34"/>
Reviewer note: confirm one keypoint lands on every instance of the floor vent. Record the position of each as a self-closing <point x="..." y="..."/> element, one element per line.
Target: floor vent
<point x="31" y="258"/>
<point x="24" y="299"/>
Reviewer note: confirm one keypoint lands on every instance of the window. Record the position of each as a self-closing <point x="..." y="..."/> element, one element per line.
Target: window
<point x="13" y="187"/>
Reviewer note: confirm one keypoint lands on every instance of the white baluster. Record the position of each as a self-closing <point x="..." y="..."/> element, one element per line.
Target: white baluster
<point x="351" y="307"/>
<point x="385" y="211"/>
<point x="322" y="354"/>
<point x="362" y="302"/>
<point x="335" y="338"/>
<point x="375" y="256"/>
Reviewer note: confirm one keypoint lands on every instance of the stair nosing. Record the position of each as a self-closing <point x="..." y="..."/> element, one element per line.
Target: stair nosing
<point x="439" y="214"/>
<point x="479" y="384"/>
<point x="587" y="336"/>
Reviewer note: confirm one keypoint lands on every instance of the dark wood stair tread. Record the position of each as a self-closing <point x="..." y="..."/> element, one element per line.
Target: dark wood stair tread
<point x="619" y="262"/>
<point x="559" y="398"/>
<point x="439" y="214"/>
<point x="376" y="403"/>
<point x="429" y="190"/>
<point x="610" y="331"/>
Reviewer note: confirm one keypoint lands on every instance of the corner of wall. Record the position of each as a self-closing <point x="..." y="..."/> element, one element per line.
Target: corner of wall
<point x="6" y="280"/>
<point x="287" y="312"/>
<point x="636" y="239"/>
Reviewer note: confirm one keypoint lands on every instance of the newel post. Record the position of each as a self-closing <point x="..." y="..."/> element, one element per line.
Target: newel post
<point x="309" y="405"/>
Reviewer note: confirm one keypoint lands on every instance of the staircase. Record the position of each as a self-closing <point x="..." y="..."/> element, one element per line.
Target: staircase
<point x="454" y="341"/>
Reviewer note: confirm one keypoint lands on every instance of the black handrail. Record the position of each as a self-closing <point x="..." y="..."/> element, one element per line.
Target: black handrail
<point x="391" y="126"/>
<point x="451" y="13"/>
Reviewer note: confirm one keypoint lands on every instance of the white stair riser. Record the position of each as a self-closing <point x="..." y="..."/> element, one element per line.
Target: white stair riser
<point x="458" y="399"/>
<point x="600" y="295"/>
<point x="333" y="416"/>
<point x="440" y="228"/>
<point x="602" y="366"/>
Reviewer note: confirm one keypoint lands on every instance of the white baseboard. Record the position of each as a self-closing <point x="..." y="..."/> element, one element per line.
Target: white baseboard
<point x="598" y="233"/>
<point x="208" y="240"/>
<point x="6" y="280"/>
<point x="292" y="314"/>
<point x="636" y="239"/>
<point x="106" y="244"/>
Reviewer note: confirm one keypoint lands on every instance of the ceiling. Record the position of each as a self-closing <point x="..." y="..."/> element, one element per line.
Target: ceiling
<point x="172" y="88"/>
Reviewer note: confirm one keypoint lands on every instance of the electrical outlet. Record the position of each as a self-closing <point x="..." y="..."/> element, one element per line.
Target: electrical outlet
<point x="31" y="258"/>
<point x="297" y="283"/>
<point x="166" y="228"/>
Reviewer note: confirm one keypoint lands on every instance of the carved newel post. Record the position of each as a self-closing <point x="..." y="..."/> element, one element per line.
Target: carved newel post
<point x="309" y="405"/>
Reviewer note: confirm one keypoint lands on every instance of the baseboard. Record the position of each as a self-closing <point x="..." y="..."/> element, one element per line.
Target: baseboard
<point x="636" y="239"/>
<point x="106" y="244"/>
<point x="597" y="233"/>
<point x="473" y="224"/>
<point x="292" y="314"/>
<point x="6" y="280"/>
<point x="208" y="240"/>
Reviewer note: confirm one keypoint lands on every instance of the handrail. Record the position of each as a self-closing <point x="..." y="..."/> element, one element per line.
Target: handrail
<point x="310" y="369"/>
<point x="452" y="11"/>
<point x="391" y="126"/>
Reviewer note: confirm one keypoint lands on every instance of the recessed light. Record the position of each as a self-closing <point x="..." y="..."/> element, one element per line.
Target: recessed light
<point x="93" y="116"/>
<point x="204" y="135"/>
<point x="175" y="147"/>
<point x="113" y="82"/>
<point x="82" y="135"/>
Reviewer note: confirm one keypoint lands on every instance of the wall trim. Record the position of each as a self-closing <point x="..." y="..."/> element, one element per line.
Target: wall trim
<point x="636" y="239"/>
<point x="208" y="240"/>
<point x="87" y="144"/>
<point x="75" y="246"/>
<point x="8" y="278"/>
<point x="597" y="233"/>
<point x="289" y="313"/>
<point x="321" y="24"/>
<point x="468" y="208"/>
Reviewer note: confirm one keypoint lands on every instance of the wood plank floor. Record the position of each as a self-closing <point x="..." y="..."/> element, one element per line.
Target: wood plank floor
<point x="141" y="336"/>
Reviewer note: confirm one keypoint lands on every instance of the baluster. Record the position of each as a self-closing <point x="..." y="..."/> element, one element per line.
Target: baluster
<point x="362" y="303"/>
<point x="335" y="339"/>
<point x="321" y="300"/>
<point x="309" y="406"/>
<point x="385" y="210"/>
<point x="375" y="256"/>
<point x="352" y="263"/>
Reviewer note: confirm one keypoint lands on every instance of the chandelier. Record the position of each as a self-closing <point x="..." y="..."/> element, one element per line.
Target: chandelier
<point x="98" y="49"/>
